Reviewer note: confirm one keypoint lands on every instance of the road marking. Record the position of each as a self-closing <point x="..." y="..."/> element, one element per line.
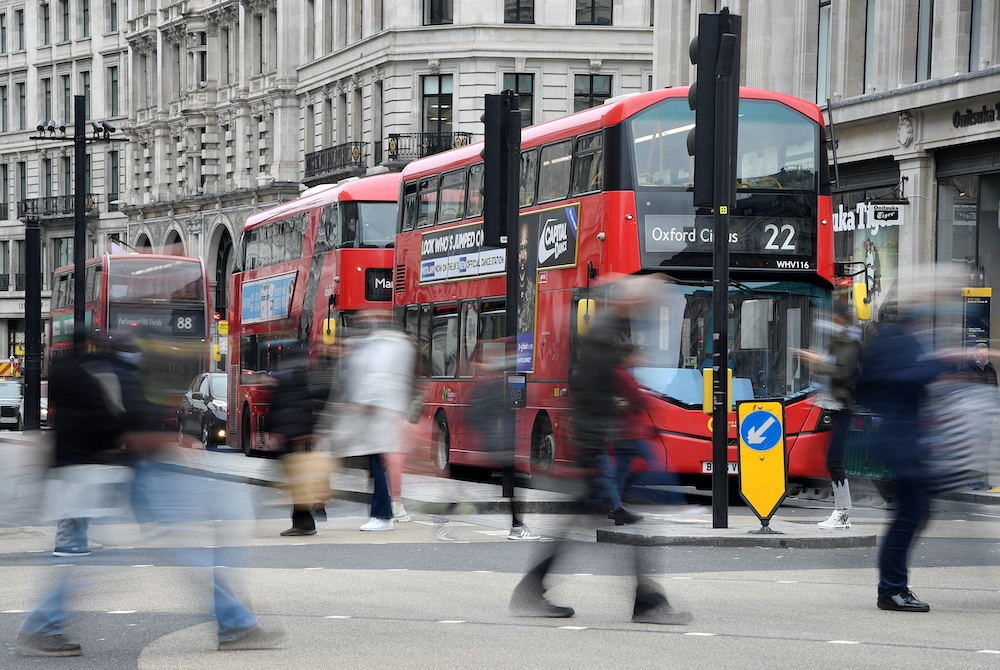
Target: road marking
<point x="583" y="574"/>
<point x="988" y="651"/>
<point x="482" y="572"/>
<point x="142" y="565"/>
<point x="451" y="621"/>
<point x="683" y="577"/>
<point x="13" y="611"/>
<point x="842" y="642"/>
<point x="573" y="627"/>
<point x="337" y="616"/>
<point x="787" y="581"/>
<point x="701" y="634"/>
<point x="312" y="568"/>
<point x="122" y="612"/>
<point x="396" y="569"/>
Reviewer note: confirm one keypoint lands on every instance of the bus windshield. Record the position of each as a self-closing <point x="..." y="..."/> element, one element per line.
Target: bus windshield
<point x="768" y="321"/>
<point x="155" y="280"/>
<point x="378" y="224"/>
<point x="777" y="147"/>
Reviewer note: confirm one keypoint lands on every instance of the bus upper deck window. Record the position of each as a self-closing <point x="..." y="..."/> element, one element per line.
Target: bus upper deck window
<point x="475" y="194"/>
<point x="408" y="220"/>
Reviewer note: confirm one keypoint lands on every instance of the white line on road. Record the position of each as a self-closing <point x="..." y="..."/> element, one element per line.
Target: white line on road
<point x="312" y="568"/>
<point x="842" y="642"/>
<point x="573" y="627"/>
<point x="337" y="616"/>
<point x="988" y="651"/>
<point x="13" y="611"/>
<point x="701" y="634"/>
<point x="787" y="581"/>
<point x="396" y="569"/>
<point x="583" y="574"/>
<point x="142" y="565"/>
<point x="451" y="621"/>
<point x="122" y="611"/>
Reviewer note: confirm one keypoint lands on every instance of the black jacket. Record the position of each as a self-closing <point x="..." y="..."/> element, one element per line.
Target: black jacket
<point x="88" y="410"/>
<point x="297" y="401"/>
<point x="980" y="375"/>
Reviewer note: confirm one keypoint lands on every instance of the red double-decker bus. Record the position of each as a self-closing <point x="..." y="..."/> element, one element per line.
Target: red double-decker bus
<point x="607" y="192"/>
<point x="303" y="271"/>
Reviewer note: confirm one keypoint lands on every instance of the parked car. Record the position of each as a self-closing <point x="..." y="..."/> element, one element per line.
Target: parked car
<point x="202" y="411"/>
<point x="10" y="405"/>
<point x="43" y="407"/>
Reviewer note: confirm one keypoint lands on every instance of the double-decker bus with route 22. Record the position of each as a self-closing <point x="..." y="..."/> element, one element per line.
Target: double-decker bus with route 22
<point x="304" y="270"/>
<point x="162" y="301"/>
<point x="606" y="192"/>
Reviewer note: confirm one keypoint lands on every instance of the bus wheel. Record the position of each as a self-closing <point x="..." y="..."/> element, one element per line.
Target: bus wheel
<point x="441" y="445"/>
<point x="543" y="453"/>
<point x="245" y="442"/>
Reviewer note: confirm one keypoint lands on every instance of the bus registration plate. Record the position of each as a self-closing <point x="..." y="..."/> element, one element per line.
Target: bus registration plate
<point x="733" y="468"/>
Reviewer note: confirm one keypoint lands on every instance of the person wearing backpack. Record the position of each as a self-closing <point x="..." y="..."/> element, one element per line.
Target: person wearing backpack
<point x="841" y="366"/>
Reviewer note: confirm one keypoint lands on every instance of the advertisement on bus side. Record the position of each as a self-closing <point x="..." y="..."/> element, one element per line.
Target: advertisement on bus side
<point x="268" y="299"/>
<point x="458" y="253"/>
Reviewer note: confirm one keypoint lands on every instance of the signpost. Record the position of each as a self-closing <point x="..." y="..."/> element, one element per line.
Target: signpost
<point x="763" y="462"/>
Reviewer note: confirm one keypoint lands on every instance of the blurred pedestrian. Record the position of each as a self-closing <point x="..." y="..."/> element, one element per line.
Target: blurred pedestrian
<point x="596" y="423"/>
<point x="297" y="402"/>
<point x="895" y="375"/>
<point x="979" y="369"/>
<point x="377" y="392"/>
<point x="492" y="421"/>
<point x="840" y="366"/>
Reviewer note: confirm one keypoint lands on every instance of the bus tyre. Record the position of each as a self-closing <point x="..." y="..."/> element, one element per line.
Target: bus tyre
<point x="441" y="445"/>
<point x="245" y="441"/>
<point x="543" y="451"/>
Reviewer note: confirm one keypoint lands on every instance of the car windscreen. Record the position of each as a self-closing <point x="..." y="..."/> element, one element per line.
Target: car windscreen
<point x="217" y="383"/>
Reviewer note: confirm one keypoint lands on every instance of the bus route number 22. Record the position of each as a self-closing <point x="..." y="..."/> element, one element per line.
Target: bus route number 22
<point x="787" y="231"/>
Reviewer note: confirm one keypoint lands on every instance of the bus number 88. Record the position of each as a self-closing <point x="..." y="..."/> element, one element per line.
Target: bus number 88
<point x="185" y="323"/>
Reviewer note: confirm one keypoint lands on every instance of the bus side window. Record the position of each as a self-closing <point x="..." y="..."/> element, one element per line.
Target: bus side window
<point x="475" y="193"/>
<point x="424" y="338"/>
<point x="492" y="324"/>
<point x="554" y="172"/>
<point x="328" y="225"/>
<point x="587" y="166"/>
<point x="529" y="177"/>
<point x="452" y="196"/>
<point x="444" y="341"/>
<point x="469" y="338"/>
<point x="427" y="214"/>
<point x="408" y="217"/>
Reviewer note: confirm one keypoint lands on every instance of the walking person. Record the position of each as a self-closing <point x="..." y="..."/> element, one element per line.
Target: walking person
<point x="377" y="392"/>
<point x="896" y="373"/>
<point x="596" y="422"/>
<point x="840" y="366"/>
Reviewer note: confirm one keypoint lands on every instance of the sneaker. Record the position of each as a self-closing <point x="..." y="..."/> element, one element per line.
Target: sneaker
<point x="838" y="520"/>
<point x="377" y="524"/>
<point x="94" y="545"/>
<point x="254" y="638"/>
<point x="71" y="551"/>
<point x="622" y="516"/>
<point x="522" y="532"/>
<point x="399" y="513"/>
<point x="47" y="645"/>
<point x="295" y="532"/>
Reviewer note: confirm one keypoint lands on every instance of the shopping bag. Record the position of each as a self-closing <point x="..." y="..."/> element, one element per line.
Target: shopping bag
<point x="307" y="475"/>
<point x="86" y="492"/>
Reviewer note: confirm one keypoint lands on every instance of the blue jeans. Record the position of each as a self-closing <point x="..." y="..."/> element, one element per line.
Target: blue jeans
<point x="625" y="451"/>
<point x="72" y="533"/>
<point x="381" y="498"/>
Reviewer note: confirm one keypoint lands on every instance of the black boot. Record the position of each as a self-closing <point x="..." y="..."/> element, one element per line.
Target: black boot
<point x="652" y="606"/>
<point x="623" y="516"/>
<point x="529" y="598"/>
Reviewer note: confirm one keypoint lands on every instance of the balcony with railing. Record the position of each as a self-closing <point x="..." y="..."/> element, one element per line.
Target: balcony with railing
<point x="56" y="206"/>
<point x="334" y="163"/>
<point x="405" y="147"/>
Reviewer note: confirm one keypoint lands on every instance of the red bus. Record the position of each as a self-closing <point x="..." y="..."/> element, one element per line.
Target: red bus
<point x="161" y="300"/>
<point x="606" y="192"/>
<point x="303" y="271"/>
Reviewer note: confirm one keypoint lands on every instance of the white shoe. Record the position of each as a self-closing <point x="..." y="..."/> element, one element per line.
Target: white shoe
<point x="522" y="532"/>
<point x="399" y="513"/>
<point x="838" y="520"/>
<point x="378" y="524"/>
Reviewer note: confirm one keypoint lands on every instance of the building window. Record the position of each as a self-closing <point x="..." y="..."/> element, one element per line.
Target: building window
<point x="19" y="23"/>
<point x="64" y="12"/>
<point x="3" y="33"/>
<point x="67" y="99"/>
<point x="113" y="90"/>
<point x="593" y="12"/>
<point x="4" y="120"/>
<point x="437" y="12"/>
<point x="67" y="176"/>
<point x="258" y="29"/>
<point x="47" y="99"/>
<point x="85" y="85"/>
<point x="519" y="11"/>
<point x="590" y="90"/>
<point x="823" y="54"/>
<point x="112" y="15"/>
<point x="19" y="267"/>
<point x="869" y="46"/>
<point x="925" y="38"/>
<point x="22" y="180"/>
<point x="523" y="85"/>
<point x="437" y="103"/>
<point x="43" y="11"/>
<point x="85" y="18"/>
<point x="975" y="31"/>
<point x="5" y="262"/>
<point x="22" y="106"/>
<point x="113" y="187"/>
<point x="62" y="252"/>
<point x="47" y="172"/>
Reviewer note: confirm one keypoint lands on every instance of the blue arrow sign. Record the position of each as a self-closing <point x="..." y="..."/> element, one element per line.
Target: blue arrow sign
<point x="760" y="430"/>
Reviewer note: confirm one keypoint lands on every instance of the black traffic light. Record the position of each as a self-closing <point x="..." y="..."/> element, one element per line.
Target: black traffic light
<point x="501" y="165"/>
<point x="704" y="52"/>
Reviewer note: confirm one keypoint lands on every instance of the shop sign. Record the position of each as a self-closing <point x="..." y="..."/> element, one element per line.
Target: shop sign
<point x="965" y="214"/>
<point x="868" y="216"/>
<point x="968" y="118"/>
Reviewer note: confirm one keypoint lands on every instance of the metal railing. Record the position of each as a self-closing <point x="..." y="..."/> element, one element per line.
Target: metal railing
<point x="410" y="146"/>
<point x="347" y="157"/>
<point x="57" y="205"/>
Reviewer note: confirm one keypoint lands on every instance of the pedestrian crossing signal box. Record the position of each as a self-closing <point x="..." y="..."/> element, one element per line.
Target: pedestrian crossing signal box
<point x="763" y="462"/>
<point x="516" y="385"/>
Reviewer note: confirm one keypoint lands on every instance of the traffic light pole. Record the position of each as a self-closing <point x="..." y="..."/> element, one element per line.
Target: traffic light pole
<point x="79" y="224"/>
<point x="726" y="100"/>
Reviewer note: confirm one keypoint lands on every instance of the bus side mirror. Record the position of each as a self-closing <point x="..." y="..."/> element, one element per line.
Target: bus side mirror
<point x="707" y="376"/>
<point x="329" y="331"/>
<point x="585" y="312"/>
<point x="216" y="353"/>
<point x="862" y="308"/>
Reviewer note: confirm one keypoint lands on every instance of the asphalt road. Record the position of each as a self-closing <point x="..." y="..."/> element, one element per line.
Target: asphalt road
<point x="434" y="595"/>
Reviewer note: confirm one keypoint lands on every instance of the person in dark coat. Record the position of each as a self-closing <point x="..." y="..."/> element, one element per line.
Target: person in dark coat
<point x="895" y="375"/>
<point x="979" y="369"/>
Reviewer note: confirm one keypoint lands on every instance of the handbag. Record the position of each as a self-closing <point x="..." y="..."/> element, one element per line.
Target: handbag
<point x="307" y="475"/>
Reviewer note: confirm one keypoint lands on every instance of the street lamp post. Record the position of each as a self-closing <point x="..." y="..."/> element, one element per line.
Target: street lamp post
<point x="79" y="224"/>
<point x="32" y="319"/>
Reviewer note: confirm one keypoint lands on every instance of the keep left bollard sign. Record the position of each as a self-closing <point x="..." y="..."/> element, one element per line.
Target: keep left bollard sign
<point x="763" y="463"/>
